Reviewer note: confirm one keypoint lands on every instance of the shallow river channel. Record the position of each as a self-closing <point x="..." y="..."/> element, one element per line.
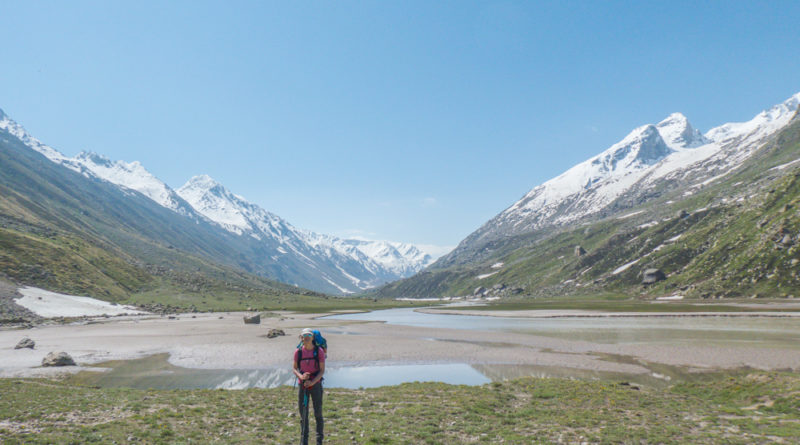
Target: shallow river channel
<point x="761" y="332"/>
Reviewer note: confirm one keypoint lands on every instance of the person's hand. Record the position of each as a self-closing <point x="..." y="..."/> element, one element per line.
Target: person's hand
<point x="308" y="384"/>
<point x="305" y="376"/>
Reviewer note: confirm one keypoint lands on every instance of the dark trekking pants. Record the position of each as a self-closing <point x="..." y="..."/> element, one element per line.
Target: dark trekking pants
<point x="315" y="398"/>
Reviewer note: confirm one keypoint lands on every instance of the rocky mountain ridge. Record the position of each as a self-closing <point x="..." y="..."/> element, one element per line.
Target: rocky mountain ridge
<point x="320" y="262"/>
<point x="650" y="159"/>
<point x="711" y="219"/>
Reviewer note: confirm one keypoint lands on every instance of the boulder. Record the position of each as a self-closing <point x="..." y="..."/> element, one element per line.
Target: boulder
<point x="480" y="290"/>
<point x="58" y="359"/>
<point x="252" y="319"/>
<point x="275" y="333"/>
<point x="25" y="343"/>
<point x="498" y="287"/>
<point x="786" y="240"/>
<point x="651" y="276"/>
<point x="682" y="214"/>
<point x="580" y="251"/>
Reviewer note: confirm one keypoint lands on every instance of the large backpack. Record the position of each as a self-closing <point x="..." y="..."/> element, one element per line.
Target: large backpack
<point x="319" y="342"/>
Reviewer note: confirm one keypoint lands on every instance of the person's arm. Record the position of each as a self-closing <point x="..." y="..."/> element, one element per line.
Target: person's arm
<point x="319" y="375"/>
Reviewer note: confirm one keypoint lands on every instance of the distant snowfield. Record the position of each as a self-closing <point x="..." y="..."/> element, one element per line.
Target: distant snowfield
<point x="50" y="304"/>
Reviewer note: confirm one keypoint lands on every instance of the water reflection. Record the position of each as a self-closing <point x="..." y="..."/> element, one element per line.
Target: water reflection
<point x="707" y="331"/>
<point x="157" y="373"/>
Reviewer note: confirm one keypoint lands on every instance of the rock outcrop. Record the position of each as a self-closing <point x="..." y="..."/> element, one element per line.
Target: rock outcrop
<point x="275" y="333"/>
<point x="652" y="276"/>
<point x="252" y="319"/>
<point x="25" y="343"/>
<point x="58" y="359"/>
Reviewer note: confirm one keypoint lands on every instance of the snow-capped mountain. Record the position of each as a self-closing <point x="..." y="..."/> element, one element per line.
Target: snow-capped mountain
<point x="349" y="265"/>
<point x="16" y="130"/>
<point x="631" y="169"/>
<point x="301" y="257"/>
<point x="132" y="176"/>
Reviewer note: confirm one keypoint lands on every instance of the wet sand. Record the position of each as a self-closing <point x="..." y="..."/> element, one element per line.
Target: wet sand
<point x="223" y="341"/>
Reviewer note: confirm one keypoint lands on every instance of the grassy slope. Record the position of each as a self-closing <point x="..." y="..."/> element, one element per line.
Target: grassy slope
<point x="755" y="408"/>
<point x="64" y="232"/>
<point x="728" y="245"/>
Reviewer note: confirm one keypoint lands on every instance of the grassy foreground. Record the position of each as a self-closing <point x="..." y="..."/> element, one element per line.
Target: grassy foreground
<point x="759" y="407"/>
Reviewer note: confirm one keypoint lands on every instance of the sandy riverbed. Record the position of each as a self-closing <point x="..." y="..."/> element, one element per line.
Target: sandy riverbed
<point x="223" y="341"/>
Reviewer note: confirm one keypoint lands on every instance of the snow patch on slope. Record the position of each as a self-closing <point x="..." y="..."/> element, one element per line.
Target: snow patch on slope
<point x="51" y="304"/>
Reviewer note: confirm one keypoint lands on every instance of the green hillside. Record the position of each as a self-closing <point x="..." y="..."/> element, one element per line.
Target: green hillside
<point x="64" y="232"/>
<point x="736" y="237"/>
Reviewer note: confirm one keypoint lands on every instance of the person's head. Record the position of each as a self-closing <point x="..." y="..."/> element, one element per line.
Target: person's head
<point x="307" y="336"/>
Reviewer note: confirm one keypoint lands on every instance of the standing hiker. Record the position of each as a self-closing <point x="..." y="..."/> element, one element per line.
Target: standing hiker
<point x="309" y="366"/>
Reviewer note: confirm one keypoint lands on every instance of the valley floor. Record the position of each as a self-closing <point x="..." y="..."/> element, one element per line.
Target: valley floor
<point x="735" y="406"/>
<point x="223" y="341"/>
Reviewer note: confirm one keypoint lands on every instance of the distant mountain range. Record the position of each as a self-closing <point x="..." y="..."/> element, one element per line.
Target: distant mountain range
<point x="655" y="168"/>
<point x="298" y="257"/>
<point x="716" y="213"/>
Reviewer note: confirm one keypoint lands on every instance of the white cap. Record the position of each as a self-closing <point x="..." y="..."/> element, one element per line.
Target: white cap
<point x="306" y="331"/>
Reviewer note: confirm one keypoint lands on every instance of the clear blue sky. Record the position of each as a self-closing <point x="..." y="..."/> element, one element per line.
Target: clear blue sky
<point x="412" y="121"/>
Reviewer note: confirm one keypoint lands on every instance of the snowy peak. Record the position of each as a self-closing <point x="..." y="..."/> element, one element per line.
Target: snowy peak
<point x="670" y="149"/>
<point x="14" y="129"/>
<point x="764" y="124"/>
<point x="678" y="133"/>
<point x="130" y="175"/>
<point x="403" y="259"/>
<point x="643" y="146"/>
<point x="215" y="202"/>
<point x="351" y="264"/>
<point x="204" y="183"/>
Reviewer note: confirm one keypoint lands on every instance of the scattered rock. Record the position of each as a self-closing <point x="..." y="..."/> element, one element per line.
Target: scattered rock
<point x="252" y="319"/>
<point x="58" y="359"/>
<point x="580" y="251"/>
<point x="634" y="387"/>
<point x="480" y="290"/>
<point x="275" y="333"/>
<point x="786" y="240"/>
<point x="653" y="276"/>
<point x="498" y="287"/>
<point x="683" y="214"/>
<point x="25" y="343"/>
<point x="795" y="261"/>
